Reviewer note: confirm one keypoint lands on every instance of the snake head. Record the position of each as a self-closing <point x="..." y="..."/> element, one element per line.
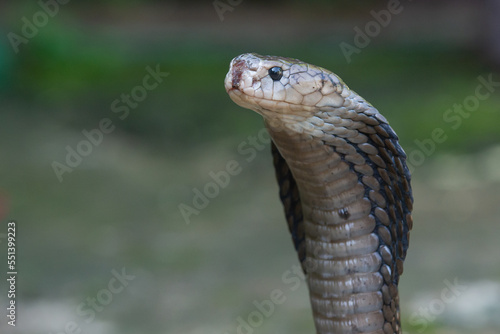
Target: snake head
<point x="285" y="88"/>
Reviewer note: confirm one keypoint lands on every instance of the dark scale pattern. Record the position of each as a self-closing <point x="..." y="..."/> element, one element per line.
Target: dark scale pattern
<point x="395" y="228"/>
<point x="395" y="188"/>
<point x="389" y="191"/>
<point x="290" y="197"/>
<point x="393" y="221"/>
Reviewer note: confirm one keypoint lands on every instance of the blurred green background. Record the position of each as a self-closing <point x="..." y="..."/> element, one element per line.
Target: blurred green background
<point x="118" y="209"/>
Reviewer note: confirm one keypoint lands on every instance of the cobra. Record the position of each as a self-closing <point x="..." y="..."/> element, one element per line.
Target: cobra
<point x="344" y="185"/>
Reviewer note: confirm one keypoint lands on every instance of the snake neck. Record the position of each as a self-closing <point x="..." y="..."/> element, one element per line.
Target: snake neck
<point x="343" y="260"/>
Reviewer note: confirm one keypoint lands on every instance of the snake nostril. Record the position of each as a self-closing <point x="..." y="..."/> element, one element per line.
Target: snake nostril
<point x="238" y="68"/>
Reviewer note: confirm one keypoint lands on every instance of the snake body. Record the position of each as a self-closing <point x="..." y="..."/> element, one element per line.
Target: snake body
<point x="344" y="185"/>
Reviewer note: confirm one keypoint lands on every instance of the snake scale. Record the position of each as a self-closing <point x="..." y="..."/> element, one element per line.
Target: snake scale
<point x="344" y="185"/>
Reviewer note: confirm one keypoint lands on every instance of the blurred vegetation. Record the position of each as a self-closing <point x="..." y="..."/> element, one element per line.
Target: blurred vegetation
<point x="73" y="76"/>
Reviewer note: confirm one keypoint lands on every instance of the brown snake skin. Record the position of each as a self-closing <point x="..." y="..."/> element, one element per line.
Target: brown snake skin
<point x="343" y="183"/>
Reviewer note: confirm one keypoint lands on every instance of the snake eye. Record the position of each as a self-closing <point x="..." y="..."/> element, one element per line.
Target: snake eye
<point x="275" y="73"/>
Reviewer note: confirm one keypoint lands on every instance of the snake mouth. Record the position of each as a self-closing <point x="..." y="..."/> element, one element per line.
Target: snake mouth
<point x="233" y="81"/>
<point x="240" y="82"/>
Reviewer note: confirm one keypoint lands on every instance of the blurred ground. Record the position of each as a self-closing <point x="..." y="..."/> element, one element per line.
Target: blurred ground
<point x="115" y="217"/>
